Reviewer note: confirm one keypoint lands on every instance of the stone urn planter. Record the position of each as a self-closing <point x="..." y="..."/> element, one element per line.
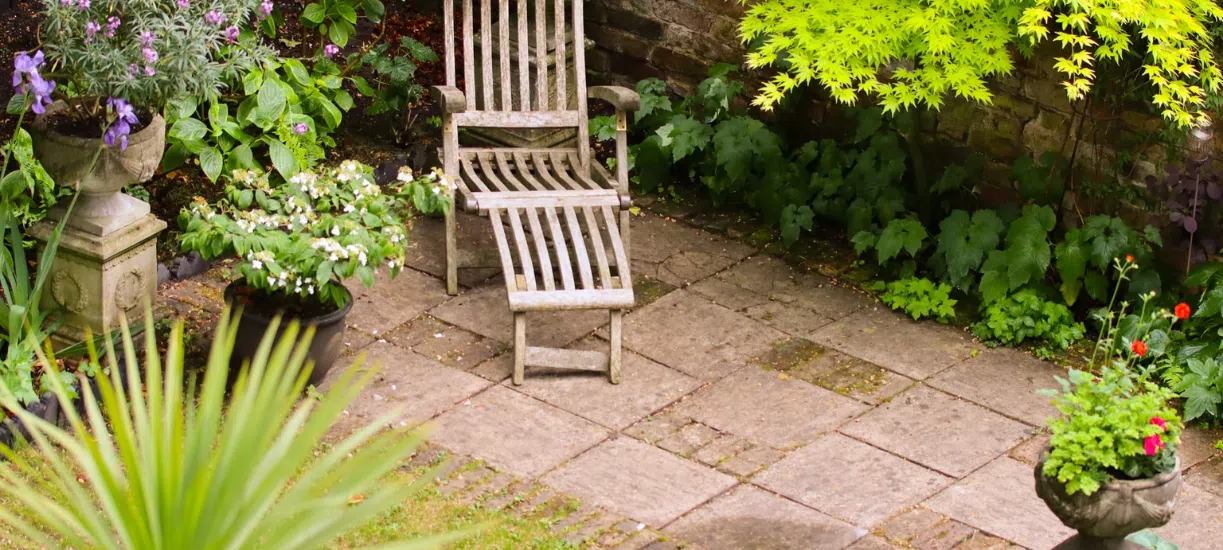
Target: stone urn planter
<point x="102" y="207"/>
<point x="1121" y="507"/>
<point x="257" y="313"/>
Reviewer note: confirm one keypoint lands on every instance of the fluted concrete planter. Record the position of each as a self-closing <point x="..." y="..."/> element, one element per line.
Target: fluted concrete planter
<point x="1120" y="508"/>
<point x="102" y="207"/>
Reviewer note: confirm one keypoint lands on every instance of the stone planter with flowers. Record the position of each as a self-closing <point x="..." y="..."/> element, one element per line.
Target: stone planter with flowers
<point x="1111" y="467"/>
<point x="298" y="241"/>
<point x="105" y="70"/>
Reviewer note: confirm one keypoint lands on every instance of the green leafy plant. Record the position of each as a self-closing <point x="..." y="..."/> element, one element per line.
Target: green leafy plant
<point x="1117" y="423"/>
<point x="168" y="462"/>
<point x="900" y="234"/>
<point x="920" y="298"/>
<point x="1025" y="315"/>
<point x="907" y="53"/>
<point x="1084" y="256"/>
<point x="303" y="237"/>
<point x="1202" y="388"/>
<point x="1026" y="257"/>
<point x="337" y="19"/>
<point x="963" y="244"/>
<point x="285" y="117"/>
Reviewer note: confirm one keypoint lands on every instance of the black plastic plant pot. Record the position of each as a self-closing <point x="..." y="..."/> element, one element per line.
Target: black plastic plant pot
<point x="257" y="318"/>
<point x="49" y="408"/>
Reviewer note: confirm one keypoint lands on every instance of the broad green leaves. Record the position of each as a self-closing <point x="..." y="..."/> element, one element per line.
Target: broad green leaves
<point x="1087" y="254"/>
<point x="964" y="242"/>
<point x="794" y="218"/>
<point x="1202" y="388"/>
<point x="1026" y="257"/>
<point x="906" y="235"/>
<point x="685" y="136"/>
<point x="921" y="298"/>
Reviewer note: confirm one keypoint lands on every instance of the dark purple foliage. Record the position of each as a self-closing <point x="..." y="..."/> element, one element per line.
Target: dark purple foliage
<point x="1191" y="192"/>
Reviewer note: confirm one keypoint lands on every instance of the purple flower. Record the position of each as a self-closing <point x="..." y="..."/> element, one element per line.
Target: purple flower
<point x="65" y="3"/>
<point x="24" y="64"/>
<point x="125" y="117"/>
<point x="147" y="38"/>
<point x="132" y="71"/>
<point x="215" y="17"/>
<point x="266" y="8"/>
<point x="150" y="55"/>
<point x="112" y="24"/>
<point x="231" y="33"/>
<point x="184" y="3"/>
<point x="82" y="4"/>
<point x="301" y="128"/>
<point x="330" y="50"/>
<point x="149" y="71"/>
<point x="91" y="28"/>
<point x="42" y="92"/>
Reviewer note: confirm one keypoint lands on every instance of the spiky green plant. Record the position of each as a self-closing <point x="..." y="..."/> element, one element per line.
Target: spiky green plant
<point x="170" y="464"/>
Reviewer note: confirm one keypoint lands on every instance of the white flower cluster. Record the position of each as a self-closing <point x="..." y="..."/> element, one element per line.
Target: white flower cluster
<point x="203" y="209"/>
<point x="254" y="219"/>
<point x="299" y="211"/>
<point x="308" y="183"/>
<point x="394" y="233"/>
<point x="257" y="259"/>
<point x="301" y="285"/>
<point x="338" y="251"/>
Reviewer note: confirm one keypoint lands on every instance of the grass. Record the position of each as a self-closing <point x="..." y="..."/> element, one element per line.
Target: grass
<point x="428" y="512"/>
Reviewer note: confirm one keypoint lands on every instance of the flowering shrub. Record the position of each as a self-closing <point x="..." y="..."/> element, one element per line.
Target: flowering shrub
<point x="305" y="236"/>
<point x="144" y="52"/>
<point x="1116" y="423"/>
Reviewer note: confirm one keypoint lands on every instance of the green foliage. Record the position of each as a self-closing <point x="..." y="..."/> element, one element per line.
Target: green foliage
<point x="393" y="86"/>
<point x="1042" y="180"/>
<point x="907" y="235"/>
<point x="1025" y="315"/>
<point x="261" y="127"/>
<point x="1202" y="388"/>
<point x="337" y="19"/>
<point x="304" y="237"/>
<point x="27" y="192"/>
<point x="964" y="242"/>
<point x="1149" y="539"/>
<point x="1105" y="422"/>
<point x="921" y="298"/>
<point x="188" y="464"/>
<point x="1025" y="258"/>
<point x="1086" y="253"/>
<point x="906" y="53"/>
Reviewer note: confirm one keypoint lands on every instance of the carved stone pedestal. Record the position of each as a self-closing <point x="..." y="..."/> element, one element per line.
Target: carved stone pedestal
<point x="95" y="279"/>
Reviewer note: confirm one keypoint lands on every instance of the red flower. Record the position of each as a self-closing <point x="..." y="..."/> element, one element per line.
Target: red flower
<point x="1129" y="258"/>
<point x="1139" y="347"/>
<point x="1181" y="310"/>
<point x="1151" y="445"/>
<point x="1160" y="422"/>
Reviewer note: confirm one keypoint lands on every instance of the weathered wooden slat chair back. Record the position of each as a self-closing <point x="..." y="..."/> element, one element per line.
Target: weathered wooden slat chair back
<point x="522" y="66"/>
<point x="513" y="77"/>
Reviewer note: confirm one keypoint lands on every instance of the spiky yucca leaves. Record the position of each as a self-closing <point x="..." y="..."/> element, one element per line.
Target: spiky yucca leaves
<point x="157" y="464"/>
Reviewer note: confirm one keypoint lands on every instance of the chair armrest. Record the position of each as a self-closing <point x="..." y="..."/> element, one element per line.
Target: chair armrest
<point x="450" y="98"/>
<point x="622" y="98"/>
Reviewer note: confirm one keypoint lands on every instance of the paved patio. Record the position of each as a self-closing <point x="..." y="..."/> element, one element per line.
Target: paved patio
<point x="762" y="407"/>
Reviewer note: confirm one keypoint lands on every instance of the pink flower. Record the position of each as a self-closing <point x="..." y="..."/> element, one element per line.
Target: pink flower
<point x="184" y="3"/>
<point x="1151" y="445"/>
<point x="1160" y="422"/>
<point x="330" y="50"/>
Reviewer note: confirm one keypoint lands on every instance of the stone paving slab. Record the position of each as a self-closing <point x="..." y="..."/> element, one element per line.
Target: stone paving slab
<point x="678" y="254"/>
<point x="392" y="302"/>
<point x="1001" y="499"/>
<point x="1006" y="381"/>
<point x="748" y="517"/>
<point x="637" y="480"/>
<point x="514" y="431"/>
<point x="645" y="387"/>
<point x="485" y="310"/>
<point x="773" y="278"/>
<point x="875" y="335"/>
<point x="939" y="431"/>
<point x="426" y="248"/>
<point x="1198" y="445"/>
<point x="1207" y="475"/>
<point x="1197" y="523"/>
<point x="420" y="386"/>
<point x="761" y="406"/>
<point x="444" y="343"/>
<point x="851" y="480"/>
<point x="702" y="339"/>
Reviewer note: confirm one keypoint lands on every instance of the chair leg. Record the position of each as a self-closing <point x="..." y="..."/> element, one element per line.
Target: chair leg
<point x="452" y="253"/>
<point x="520" y="346"/>
<point x="613" y="354"/>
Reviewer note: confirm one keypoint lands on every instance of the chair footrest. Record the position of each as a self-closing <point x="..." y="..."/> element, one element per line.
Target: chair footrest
<point x="535" y="300"/>
<point x="557" y="358"/>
